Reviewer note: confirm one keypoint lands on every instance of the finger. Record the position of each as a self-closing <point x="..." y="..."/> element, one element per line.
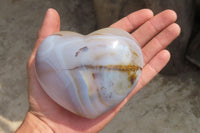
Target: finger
<point x="152" y="27"/>
<point x="134" y="20"/>
<point x="162" y="40"/>
<point x="51" y="24"/>
<point x="152" y="69"/>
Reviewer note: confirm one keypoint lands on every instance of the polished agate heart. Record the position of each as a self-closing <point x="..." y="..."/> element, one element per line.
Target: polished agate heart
<point x="89" y="75"/>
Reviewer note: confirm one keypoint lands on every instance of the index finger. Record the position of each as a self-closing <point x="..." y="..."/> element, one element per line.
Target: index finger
<point x="133" y="20"/>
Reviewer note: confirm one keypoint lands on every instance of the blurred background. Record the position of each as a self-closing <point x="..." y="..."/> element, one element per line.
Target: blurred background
<point x="170" y="103"/>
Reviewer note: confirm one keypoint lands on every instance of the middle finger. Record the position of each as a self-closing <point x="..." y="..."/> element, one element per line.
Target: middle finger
<point x="153" y="26"/>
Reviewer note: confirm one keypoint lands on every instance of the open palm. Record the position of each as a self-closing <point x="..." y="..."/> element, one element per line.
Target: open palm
<point x="153" y="33"/>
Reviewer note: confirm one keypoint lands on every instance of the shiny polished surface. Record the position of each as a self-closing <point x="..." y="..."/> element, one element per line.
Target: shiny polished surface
<point x="88" y="75"/>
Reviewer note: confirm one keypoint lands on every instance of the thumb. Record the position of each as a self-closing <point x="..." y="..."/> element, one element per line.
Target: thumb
<point x="50" y="25"/>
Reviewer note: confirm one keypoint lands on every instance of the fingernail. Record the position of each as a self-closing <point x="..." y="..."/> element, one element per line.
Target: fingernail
<point x="48" y="11"/>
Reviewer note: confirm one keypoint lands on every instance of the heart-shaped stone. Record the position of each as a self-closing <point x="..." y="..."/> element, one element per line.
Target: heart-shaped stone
<point x="88" y="75"/>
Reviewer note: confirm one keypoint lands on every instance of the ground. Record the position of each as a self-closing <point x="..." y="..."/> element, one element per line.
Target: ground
<point x="168" y="104"/>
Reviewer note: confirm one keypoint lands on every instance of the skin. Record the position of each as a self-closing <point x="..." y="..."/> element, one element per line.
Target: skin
<point x="154" y="34"/>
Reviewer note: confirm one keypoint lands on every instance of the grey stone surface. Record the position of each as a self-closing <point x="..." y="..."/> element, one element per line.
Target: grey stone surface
<point x="167" y="104"/>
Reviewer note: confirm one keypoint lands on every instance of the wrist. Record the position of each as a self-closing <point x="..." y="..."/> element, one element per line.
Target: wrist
<point x="33" y="124"/>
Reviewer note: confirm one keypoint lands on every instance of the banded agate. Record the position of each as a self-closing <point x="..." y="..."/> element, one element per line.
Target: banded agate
<point x="89" y="75"/>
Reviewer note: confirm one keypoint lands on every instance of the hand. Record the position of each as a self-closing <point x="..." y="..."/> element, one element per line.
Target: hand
<point x="153" y="33"/>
